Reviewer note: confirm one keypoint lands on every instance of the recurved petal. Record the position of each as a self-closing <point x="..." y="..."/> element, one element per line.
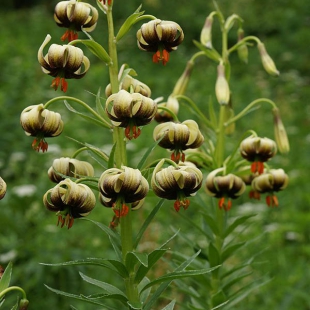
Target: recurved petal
<point x="52" y="124"/>
<point x="41" y="58"/>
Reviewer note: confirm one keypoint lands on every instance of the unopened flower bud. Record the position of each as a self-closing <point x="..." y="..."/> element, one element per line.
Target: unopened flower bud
<point x="176" y="183"/>
<point x="23" y="304"/>
<point x="228" y="186"/>
<point x="273" y="181"/>
<point x="40" y="123"/>
<point x="161" y="37"/>
<point x="70" y="167"/>
<point x="70" y="200"/>
<point x="75" y="16"/>
<point x="242" y="49"/>
<point x="206" y="32"/>
<point x="258" y="150"/>
<point x="2" y="188"/>
<point x="222" y="91"/>
<point x="267" y="61"/>
<point x="280" y="132"/>
<point x="130" y="111"/>
<point x="178" y="137"/>
<point x="163" y="115"/>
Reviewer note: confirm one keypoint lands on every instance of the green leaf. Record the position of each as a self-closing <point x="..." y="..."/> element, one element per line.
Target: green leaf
<point x="228" y="285"/>
<point x="164" y="285"/>
<point x="147" y="222"/>
<point x="229" y="250"/>
<point x="212" y="224"/>
<point x="170" y="306"/>
<point x="135" y="305"/>
<point x="210" y="53"/>
<point x="132" y="258"/>
<point x="96" y="49"/>
<point x="111" y="264"/>
<point x="85" y="116"/>
<point x="113" y="291"/>
<point x="113" y="237"/>
<point x="6" y="277"/>
<point x="16" y="306"/>
<point x="129" y="22"/>
<point x="178" y="275"/>
<point x="111" y="157"/>
<point x="214" y="255"/>
<point x="152" y="258"/>
<point x="79" y="297"/>
<point x="145" y="294"/>
<point x="99" y="108"/>
<point x="236" y="223"/>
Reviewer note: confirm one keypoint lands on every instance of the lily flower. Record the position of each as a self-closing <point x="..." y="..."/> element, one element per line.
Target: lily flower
<point x="176" y="183"/>
<point x="70" y="200"/>
<point x="224" y="186"/>
<point x="160" y="37"/>
<point x="130" y="111"/>
<point x="178" y="137"/>
<point x="62" y="62"/>
<point x="257" y="150"/>
<point x="75" y="16"/>
<point x="2" y="188"/>
<point x="41" y="123"/>
<point x="125" y="185"/>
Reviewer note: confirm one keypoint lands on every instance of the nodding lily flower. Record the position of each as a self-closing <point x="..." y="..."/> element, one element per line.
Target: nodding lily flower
<point x="258" y="150"/>
<point x="273" y="181"/>
<point x="178" y="137"/>
<point x="62" y="62"/>
<point x="75" y="16"/>
<point x="227" y="186"/>
<point x="125" y="185"/>
<point x="176" y="183"/>
<point x="40" y="123"/>
<point x="70" y="167"/>
<point x="160" y="37"/>
<point x="70" y="200"/>
<point x="2" y="188"/>
<point x="130" y="111"/>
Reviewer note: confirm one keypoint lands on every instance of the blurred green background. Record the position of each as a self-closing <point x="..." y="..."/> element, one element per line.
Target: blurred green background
<point x="28" y="234"/>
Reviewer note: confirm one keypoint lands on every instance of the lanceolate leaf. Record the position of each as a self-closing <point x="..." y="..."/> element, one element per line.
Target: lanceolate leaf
<point x="99" y="107"/>
<point x="170" y="306"/>
<point x="178" y="275"/>
<point x="236" y="223"/>
<point x="111" y="158"/>
<point x="6" y="277"/>
<point x="97" y="50"/>
<point x="211" y="53"/>
<point x="111" y="290"/>
<point x="134" y="305"/>
<point x="132" y="258"/>
<point x="228" y="251"/>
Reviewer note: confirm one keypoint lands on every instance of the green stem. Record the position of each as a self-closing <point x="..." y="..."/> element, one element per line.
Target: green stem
<point x="219" y="149"/>
<point x="120" y="160"/>
<point x="80" y="102"/>
<point x="248" y="108"/>
<point x="13" y="288"/>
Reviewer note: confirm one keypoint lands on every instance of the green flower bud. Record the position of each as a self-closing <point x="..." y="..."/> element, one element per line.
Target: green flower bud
<point x="280" y="132"/>
<point x="206" y="32"/>
<point x="227" y="186"/>
<point x="222" y="91"/>
<point x="258" y="150"/>
<point x="40" y="123"/>
<point x="75" y="16"/>
<point x="130" y="111"/>
<point x="267" y="61"/>
<point x="70" y="167"/>
<point x="23" y="304"/>
<point x="178" y="137"/>
<point x="70" y="200"/>
<point x="2" y="188"/>
<point x="62" y="62"/>
<point x="161" y="37"/>
<point x="176" y="183"/>
<point x="242" y="49"/>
